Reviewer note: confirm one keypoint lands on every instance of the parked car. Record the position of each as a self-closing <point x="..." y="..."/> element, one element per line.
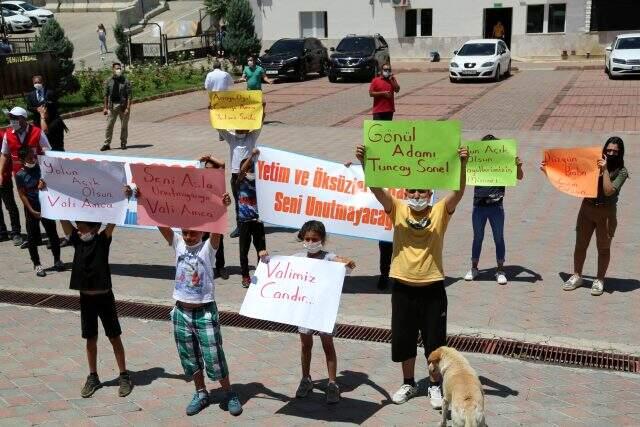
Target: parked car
<point x="358" y="57"/>
<point x="37" y="15"/>
<point x="15" y="22"/>
<point x="480" y="59"/>
<point x="295" y="58"/>
<point x="622" y="57"/>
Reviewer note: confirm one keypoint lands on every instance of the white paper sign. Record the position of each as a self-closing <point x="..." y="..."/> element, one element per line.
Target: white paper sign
<point x="80" y="190"/>
<point x="293" y="189"/>
<point x="298" y="291"/>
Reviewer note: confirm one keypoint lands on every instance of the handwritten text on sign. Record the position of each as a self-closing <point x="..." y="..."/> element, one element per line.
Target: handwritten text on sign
<point x="412" y="154"/>
<point x="236" y="109"/>
<point x="492" y="163"/>
<point x="297" y="291"/>
<point x="181" y="197"/>
<point x="293" y="189"/>
<point x="574" y="170"/>
<point x="83" y="190"/>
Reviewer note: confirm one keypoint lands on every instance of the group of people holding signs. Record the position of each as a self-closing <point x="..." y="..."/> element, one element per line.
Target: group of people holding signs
<point x="390" y="197"/>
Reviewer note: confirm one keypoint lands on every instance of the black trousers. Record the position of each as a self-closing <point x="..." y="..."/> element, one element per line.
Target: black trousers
<point x="33" y="235"/>
<point x="250" y="230"/>
<point x="234" y="191"/>
<point x="6" y="197"/>
<point x="386" y="251"/>
<point x="417" y="309"/>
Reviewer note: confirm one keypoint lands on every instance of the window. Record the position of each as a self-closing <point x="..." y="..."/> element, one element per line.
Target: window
<point x="557" y="13"/>
<point x="413" y="26"/>
<point x="313" y="24"/>
<point x="535" y="18"/>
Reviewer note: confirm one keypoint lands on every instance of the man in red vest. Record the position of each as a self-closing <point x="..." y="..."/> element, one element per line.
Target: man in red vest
<point x="20" y="134"/>
<point x="7" y="198"/>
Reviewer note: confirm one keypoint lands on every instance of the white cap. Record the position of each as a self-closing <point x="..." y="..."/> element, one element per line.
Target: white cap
<point x="18" y="111"/>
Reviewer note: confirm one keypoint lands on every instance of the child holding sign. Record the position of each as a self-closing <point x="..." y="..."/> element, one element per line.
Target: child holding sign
<point x="487" y="206"/>
<point x="28" y="183"/>
<point x="418" y="299"/>
<point x="249" y="224"/>
<point x="314" y="236"/>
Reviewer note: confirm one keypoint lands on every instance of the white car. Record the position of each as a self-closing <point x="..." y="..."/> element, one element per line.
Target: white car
<point x="37" y="15"/>
<point x="15" y="22"/>
<point x="623" y="56"/>
<point x="480" y="59"/>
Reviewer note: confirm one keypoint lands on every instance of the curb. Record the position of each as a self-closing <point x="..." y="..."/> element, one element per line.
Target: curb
<point x="92" y="110"/>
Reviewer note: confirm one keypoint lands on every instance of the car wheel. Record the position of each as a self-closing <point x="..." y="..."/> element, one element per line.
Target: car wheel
<point x="496" y="78"/>
<point x="302" y="73"/>
<point x="333" y="77"/>
<point x="34" y="21"/>
<point x="323" y="69"/>
<point x="452" y="80"/>
<point x="508" y="72"/>
<point x="374" y="73"/>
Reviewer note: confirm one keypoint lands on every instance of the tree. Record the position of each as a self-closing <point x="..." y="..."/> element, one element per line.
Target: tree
<point x="217" y="9"/>
<point x="122" y="51"/>
<point x="241" y="39"/>
<point x="52" y="39"/>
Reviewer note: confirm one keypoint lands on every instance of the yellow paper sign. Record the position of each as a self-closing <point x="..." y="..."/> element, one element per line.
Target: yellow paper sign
<point x="236" y="109"/>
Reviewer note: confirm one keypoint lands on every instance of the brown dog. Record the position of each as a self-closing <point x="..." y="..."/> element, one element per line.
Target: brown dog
<point x="461" y="388"/>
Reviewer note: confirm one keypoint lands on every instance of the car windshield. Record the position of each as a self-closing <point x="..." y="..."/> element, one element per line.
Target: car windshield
<point x="286" y="46"/>
<point x="356" y="44"/>
<point x="27" y="6"/>
<point x="478" y="49"/>
<point x="6" y="12"/>
<point x="629" y="43"/>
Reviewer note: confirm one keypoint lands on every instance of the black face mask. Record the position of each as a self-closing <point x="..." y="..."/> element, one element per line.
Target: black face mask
<point x="613" y="161"/>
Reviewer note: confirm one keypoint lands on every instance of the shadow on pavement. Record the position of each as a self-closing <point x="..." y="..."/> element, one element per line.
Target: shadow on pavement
<point x="247" y="392"/>
<point x="348" y="410"/>
<point x="611" y="284"/>
<point x="147" y="376"/>
<point x="139" y="146"/>
<point x="497" y="389"/>
<point x="363" y="285"/>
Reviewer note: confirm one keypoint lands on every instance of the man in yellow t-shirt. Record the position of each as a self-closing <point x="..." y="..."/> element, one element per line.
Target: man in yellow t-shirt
<point x="418" y="299"/>
<point x="498" y="31"/>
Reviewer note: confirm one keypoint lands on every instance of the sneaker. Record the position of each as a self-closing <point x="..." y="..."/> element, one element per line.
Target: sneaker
<point x="222" y="273"/>
<point x="405" y="393"/>
<point x="235" y="233"/>
<point x="246" y="281"/>
<point x="123" y="146"/>
<point x="574" y="282"/>
<point x="59" y="266"/>
<point x="40" y="271"/>
<point x="17" y="240"/>
<point x="383" y="282"/>
<point x="333" y="393"/>
<point x="198" y="403"/>
<point x="501" y="277"/>
<point x="435" y="396"/>
<point x="90" y="387"/>
<point x="306" y="385"/>
<point x="126" y="385"/>
<point x="105" y="148"/>
<point x="597" y="288"/>
<point x="232" y="404"/>
<point x="471" y="274"/>
<point x="24" y="244"/>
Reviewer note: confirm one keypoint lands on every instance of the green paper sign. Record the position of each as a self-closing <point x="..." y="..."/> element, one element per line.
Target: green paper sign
<point x="492" y="163"/>
<point x="412" y="154"/>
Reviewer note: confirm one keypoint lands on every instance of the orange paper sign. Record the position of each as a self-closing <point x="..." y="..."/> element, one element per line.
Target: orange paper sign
<point x="574" y="170"/>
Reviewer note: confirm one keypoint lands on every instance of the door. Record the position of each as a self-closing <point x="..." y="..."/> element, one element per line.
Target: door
<point x="318" y="55"/>
<point x="497" y="24"/>
<point x="504" y="58"/>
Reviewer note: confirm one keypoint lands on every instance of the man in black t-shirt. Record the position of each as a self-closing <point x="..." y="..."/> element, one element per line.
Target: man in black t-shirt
<point x="91" y="276"/>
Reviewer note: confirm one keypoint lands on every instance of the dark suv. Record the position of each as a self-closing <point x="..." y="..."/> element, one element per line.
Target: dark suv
<point x="295" y="58"/>
<point x="358" y="57"/>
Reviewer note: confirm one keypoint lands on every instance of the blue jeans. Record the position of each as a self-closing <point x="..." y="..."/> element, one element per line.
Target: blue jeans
<point x="495" y="215"/>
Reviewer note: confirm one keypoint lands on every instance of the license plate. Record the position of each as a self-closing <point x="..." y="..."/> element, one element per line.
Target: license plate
<point x="270" y="72"/>
<point x="468" y="73"/>
<point x="636" y="68"/>
<point x="348" y="70"/>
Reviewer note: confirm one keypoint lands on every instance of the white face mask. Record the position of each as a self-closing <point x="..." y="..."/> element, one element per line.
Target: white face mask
<point x="30" y="165"/>
<point x="386" y="74"/>
<point x="250" y="63"/>
<point x="38" y="86"/>
<point x="251" y="176"/>
<point x="313" y="247"/>
<point x="87" y="237"/>
<point x="118" y="72"/>
<point x="15" y="124"/>
<point x="417" y="204"/>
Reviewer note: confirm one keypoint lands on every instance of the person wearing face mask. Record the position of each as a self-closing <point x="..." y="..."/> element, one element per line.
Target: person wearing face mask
<point x="418" y="299"/>
<point x="249" y="224"/>
<point x="9" y="201"/>
<point x="313" y="237"/>
<point x="383" y="89"/>
<point x="254" y="75"/>
<point x="91" y="276"/>
<point x="599" y="214"/>
<point x="28" y="183"/>
<point x="117" y="104"/>
<point x="42" y="102"/>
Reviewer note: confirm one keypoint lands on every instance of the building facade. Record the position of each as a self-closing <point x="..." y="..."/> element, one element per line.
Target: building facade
<point x="414" y="28"/>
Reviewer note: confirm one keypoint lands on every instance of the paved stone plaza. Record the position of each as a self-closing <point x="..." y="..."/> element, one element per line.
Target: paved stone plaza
<point x="540" y="108"/>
